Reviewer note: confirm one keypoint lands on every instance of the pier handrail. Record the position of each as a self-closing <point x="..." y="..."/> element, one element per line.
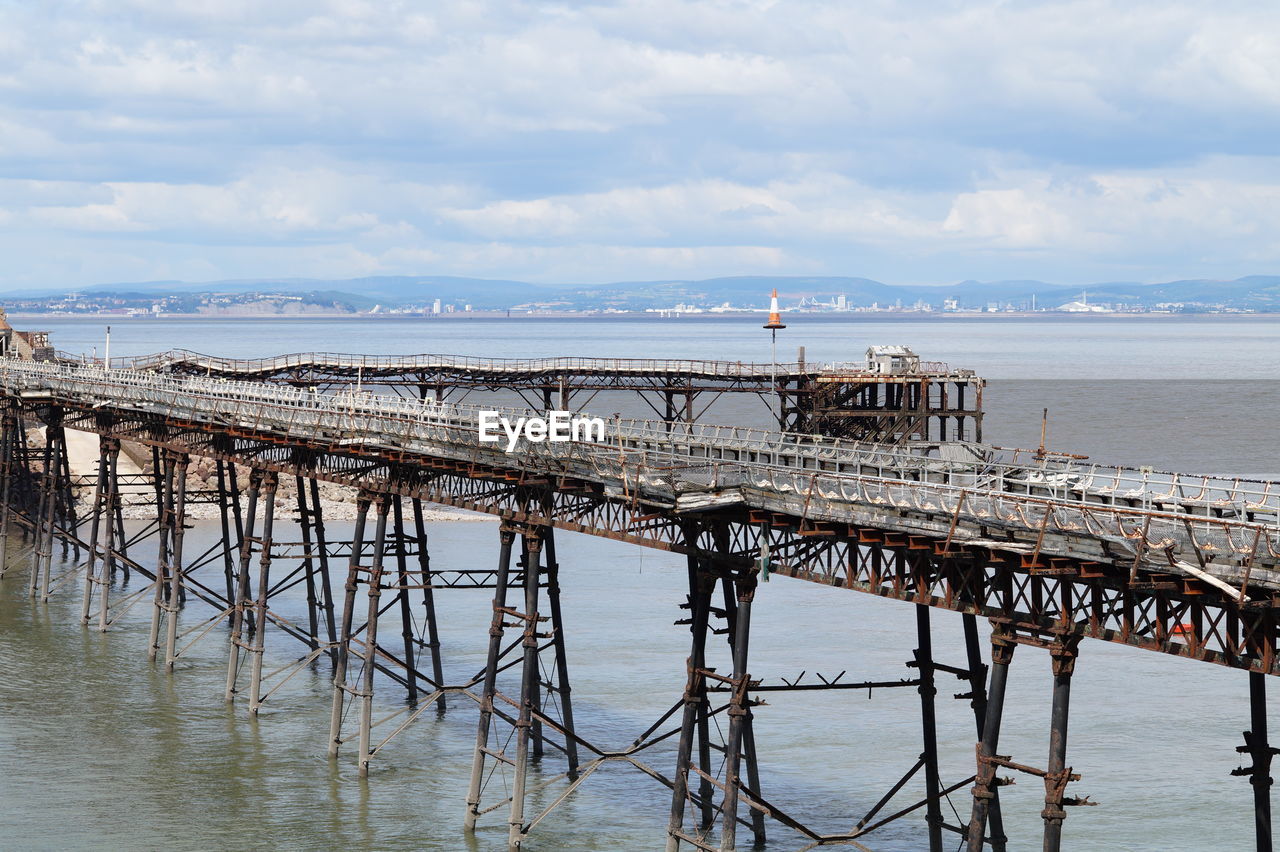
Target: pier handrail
<point x="1215" y="528"/>
<point x="375" y="364"/>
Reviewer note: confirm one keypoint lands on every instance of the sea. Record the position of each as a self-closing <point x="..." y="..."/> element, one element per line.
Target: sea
<point x="100" y="748"/>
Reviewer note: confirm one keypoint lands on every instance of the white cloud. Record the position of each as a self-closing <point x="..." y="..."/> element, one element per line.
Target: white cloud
<point x="594" y="140"/>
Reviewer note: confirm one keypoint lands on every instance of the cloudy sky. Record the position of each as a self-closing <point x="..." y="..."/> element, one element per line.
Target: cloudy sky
<point x="587" y="142"/>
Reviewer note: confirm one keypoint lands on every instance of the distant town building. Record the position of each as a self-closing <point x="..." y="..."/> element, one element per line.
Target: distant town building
<point x="1083" y="307"/>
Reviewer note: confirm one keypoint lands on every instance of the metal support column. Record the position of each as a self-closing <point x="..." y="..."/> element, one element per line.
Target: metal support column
<point x="177" y="580"/>
<point x="322" y="561"/>
<point x="739" y="712"/>
<point x="258" y="644"/>
<point x="428" y="599"/>
<point x="929" y="727"/>
<point x="340" y="688"/>
<point x="978" y="701"/>
<point x="95" y="528"/>
<point x="701" y="584"/>
<point x="165" y="513"/>
<point x="9" y="424"/>
<point x="530" y="684"/>
<point x="402" y="597"/>
<point x="109" y="460"/>
<point x="240" y="598"/>
<point x="305" y="520"/>
<point x="1058" y="775"/>
<point x="748" y="728"/>
<point x="381" y="506"/>
<point x="42" y="550"/>
<point x="562" y="689"/>
<point x="1259" y="773"/>
<point x="984" y="786"/>
<point x="507" y="537"/>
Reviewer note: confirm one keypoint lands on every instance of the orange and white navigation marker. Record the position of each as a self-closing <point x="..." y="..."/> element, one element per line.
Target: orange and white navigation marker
<point x="775" y="316"/>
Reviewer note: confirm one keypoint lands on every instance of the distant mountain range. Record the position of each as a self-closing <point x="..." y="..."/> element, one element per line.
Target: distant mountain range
<point x="1258" y="292"/>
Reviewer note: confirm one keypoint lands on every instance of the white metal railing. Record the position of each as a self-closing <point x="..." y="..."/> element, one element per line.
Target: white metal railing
<point x="1187" y="521"/>
<point x="463" y="363"/>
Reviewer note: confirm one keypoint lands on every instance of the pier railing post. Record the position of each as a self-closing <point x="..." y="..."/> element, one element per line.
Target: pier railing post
<point x="985" y="797"/>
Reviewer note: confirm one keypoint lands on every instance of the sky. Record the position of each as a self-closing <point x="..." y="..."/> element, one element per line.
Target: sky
<point x="590" y="142"/>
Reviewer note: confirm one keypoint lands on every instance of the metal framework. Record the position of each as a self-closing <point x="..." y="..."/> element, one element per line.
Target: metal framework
<point x="1049" y="550"/>
<point x="933" y="402"/>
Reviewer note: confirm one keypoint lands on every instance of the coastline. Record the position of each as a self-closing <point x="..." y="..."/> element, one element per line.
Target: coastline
<point x="641" y="316"/>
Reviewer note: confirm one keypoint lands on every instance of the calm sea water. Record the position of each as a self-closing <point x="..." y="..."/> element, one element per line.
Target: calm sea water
<point x="100" y="748"/>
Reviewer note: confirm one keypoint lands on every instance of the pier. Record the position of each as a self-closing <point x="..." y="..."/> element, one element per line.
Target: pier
<point x="868" y="400"/>
<point x="1051" y="550"/>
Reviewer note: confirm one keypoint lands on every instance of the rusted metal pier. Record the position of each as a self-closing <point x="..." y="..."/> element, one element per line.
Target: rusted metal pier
<point x="904" y="399"/>
<point x="1050" y="550"/>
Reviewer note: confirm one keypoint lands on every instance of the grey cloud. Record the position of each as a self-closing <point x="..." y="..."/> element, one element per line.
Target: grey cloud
<point x="955" y="140"/>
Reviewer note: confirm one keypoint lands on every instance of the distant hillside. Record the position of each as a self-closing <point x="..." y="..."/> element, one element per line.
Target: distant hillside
<point x="1257" y="292"/>
<point x="390" y="290"/>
